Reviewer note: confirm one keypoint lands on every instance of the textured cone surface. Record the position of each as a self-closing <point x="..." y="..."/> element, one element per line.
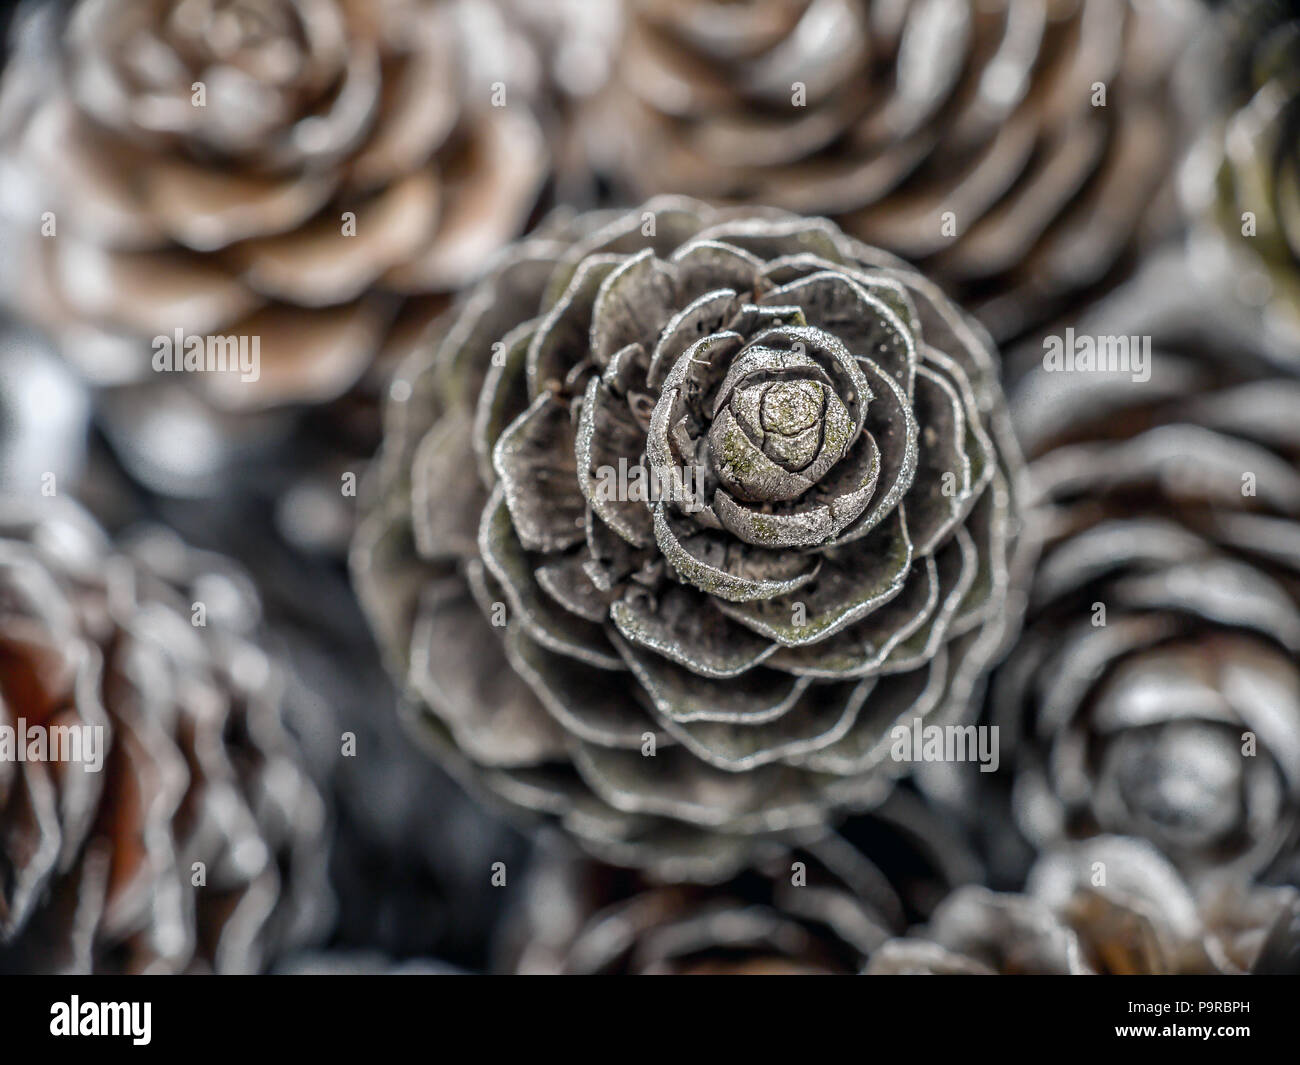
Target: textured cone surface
<point x="1243" y="180"/>
<point x="1154" y="691"/>
<point x="685" y="509"/>
<point x="1140" y="918"/>
<point x="823" y="909"/>
<point x="311" y="179"/>
<point x="1012" y="150"/>
<point x="197" y="846"/>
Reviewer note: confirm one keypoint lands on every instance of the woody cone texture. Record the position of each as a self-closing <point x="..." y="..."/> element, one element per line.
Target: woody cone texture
<point x="825" y="909"/>
<point x="295" y="173"/>
<point x="1112" y="905"/>
<point x="1011" y="150"/>
<point x="683" y="512"/>
<point x="1244" y="180"/>
<point x="197" y="846"/>
<point x="1155" y="691"/>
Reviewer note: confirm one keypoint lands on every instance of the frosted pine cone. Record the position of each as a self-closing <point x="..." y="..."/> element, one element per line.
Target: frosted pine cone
<point x="218" y="168"/>
<point x="1155" y="690"/>
<point x="1111" y="905"/>
<point x="726" y="488"/>
<point x="1012" y="151"/>
<point x="197" y="844"/>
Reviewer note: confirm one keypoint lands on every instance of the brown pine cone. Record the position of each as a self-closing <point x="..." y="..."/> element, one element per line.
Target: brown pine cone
<point x="197" y="779"/>
<point x="822" y="909"/>
<point x="575" y="43"/>
<point x="887" y="116"/>
<point x="677" y="671"/>
<point x="1111" y="905"/>
<point x="311" y="176"/>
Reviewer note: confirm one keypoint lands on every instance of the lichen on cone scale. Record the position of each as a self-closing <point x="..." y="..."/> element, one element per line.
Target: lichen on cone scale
<point x="683" y="676"/>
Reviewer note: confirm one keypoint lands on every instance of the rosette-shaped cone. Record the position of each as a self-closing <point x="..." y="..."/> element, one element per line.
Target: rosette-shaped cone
<point x="1013" y="150"/>
<point x="823" y="909"/>
<point x="1243" y="179"/>
<point x="684" y="511"/>
<point x="1155" y="689"/>
<point x="306" y="178"/>
<point x="154" y="816"/>
<point x="1111" y="905"/>
<point x="408" y="847"/>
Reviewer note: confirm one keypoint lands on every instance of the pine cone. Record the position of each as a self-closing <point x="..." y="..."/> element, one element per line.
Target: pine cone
<point x="1111" y="905"/>
<point x="575" y="43"/>
<point x="820" y="910"/>
<point x="409" y="850"/>
<point x="1244" y="179"/>
<point x="254" y="170"/>
<point x="1155" y="690"/>
<point x="825" y="552"/>
<point x="888" y="116"/>
<point x="100" y="869"/>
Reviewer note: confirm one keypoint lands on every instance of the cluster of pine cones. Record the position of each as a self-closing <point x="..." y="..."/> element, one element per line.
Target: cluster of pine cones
<point x="650" y="486"/>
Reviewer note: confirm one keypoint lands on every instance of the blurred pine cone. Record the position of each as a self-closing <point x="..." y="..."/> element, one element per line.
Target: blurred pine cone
<point x="575" y="42"/>
<point x="1111" y="905"/>
<point x="888" y="116"/>
<point x="825" y="552"/>
<point x="1244" y="178"/>
<point x="313" y="177"/>
<point x="823" y="909"/>
<point x="98" y="869"/>
<point x="44" y="412"/>
<point x="1155" y="690"/>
